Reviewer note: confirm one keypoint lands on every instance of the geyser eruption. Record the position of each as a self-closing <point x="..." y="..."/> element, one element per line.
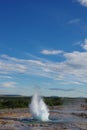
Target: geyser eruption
<point x="38" y="108"/>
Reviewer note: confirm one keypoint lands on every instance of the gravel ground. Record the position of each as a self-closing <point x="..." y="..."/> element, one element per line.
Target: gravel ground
<point x="10" y="120"/>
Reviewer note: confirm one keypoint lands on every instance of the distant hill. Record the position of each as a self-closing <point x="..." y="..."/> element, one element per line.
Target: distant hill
<point x="8" y="95"/>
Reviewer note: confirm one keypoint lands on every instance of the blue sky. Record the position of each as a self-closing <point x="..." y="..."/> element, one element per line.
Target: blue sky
<point x="43" y="44"/>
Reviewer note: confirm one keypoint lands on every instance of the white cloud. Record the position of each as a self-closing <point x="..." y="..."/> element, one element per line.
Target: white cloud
<point x="62" y="89"/>
<point x="72" y="83"/>
<point x="84" y="45"/>
<point x="77" y="43"/>
<point x="2" y="91"/>
<point x="51" y="52"/>
<point x="73" y="70"/>
<point x="9" y="84"/>
<point x="83" y="2"/>
<point x="11" y="65"/>
<point x="5" y="77"/>
<point x="76" y="65"/>
<point x="74" y="21"/>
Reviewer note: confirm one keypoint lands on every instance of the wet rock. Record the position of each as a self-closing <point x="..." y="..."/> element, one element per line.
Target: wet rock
<point x="83" y="115"/>
<point x="12" y="125"/>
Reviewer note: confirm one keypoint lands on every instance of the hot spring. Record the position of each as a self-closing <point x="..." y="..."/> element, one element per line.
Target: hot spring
<point x="38" y="108"/>
<point x="60" y="117"/>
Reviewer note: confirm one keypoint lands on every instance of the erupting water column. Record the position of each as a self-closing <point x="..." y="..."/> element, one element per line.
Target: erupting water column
<point x="38" y="108"/>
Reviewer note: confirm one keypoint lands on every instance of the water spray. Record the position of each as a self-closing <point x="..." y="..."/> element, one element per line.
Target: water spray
<point x="38" y="108"/>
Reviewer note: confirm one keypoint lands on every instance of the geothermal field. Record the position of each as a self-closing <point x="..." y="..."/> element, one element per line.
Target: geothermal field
<point x="71" y="115"/>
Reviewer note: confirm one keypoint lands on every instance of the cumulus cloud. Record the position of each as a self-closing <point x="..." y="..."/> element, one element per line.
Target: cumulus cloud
<point x="74" y="21"/>
<point x="83" y="2"/>
<point x="51" y="52"/>
<point x="84" y="45"/>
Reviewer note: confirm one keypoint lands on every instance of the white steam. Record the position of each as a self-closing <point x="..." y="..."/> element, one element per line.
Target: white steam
<point x="38" y="108"/>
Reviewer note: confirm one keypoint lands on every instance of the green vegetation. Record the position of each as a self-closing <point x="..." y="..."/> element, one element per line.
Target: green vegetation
<point x="53" y="101"/>
<point x="14" y="102"/>
<point x="23" y="102"/>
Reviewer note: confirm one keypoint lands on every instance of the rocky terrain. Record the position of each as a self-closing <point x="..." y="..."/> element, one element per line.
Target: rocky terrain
<point x="11" y="119"/>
